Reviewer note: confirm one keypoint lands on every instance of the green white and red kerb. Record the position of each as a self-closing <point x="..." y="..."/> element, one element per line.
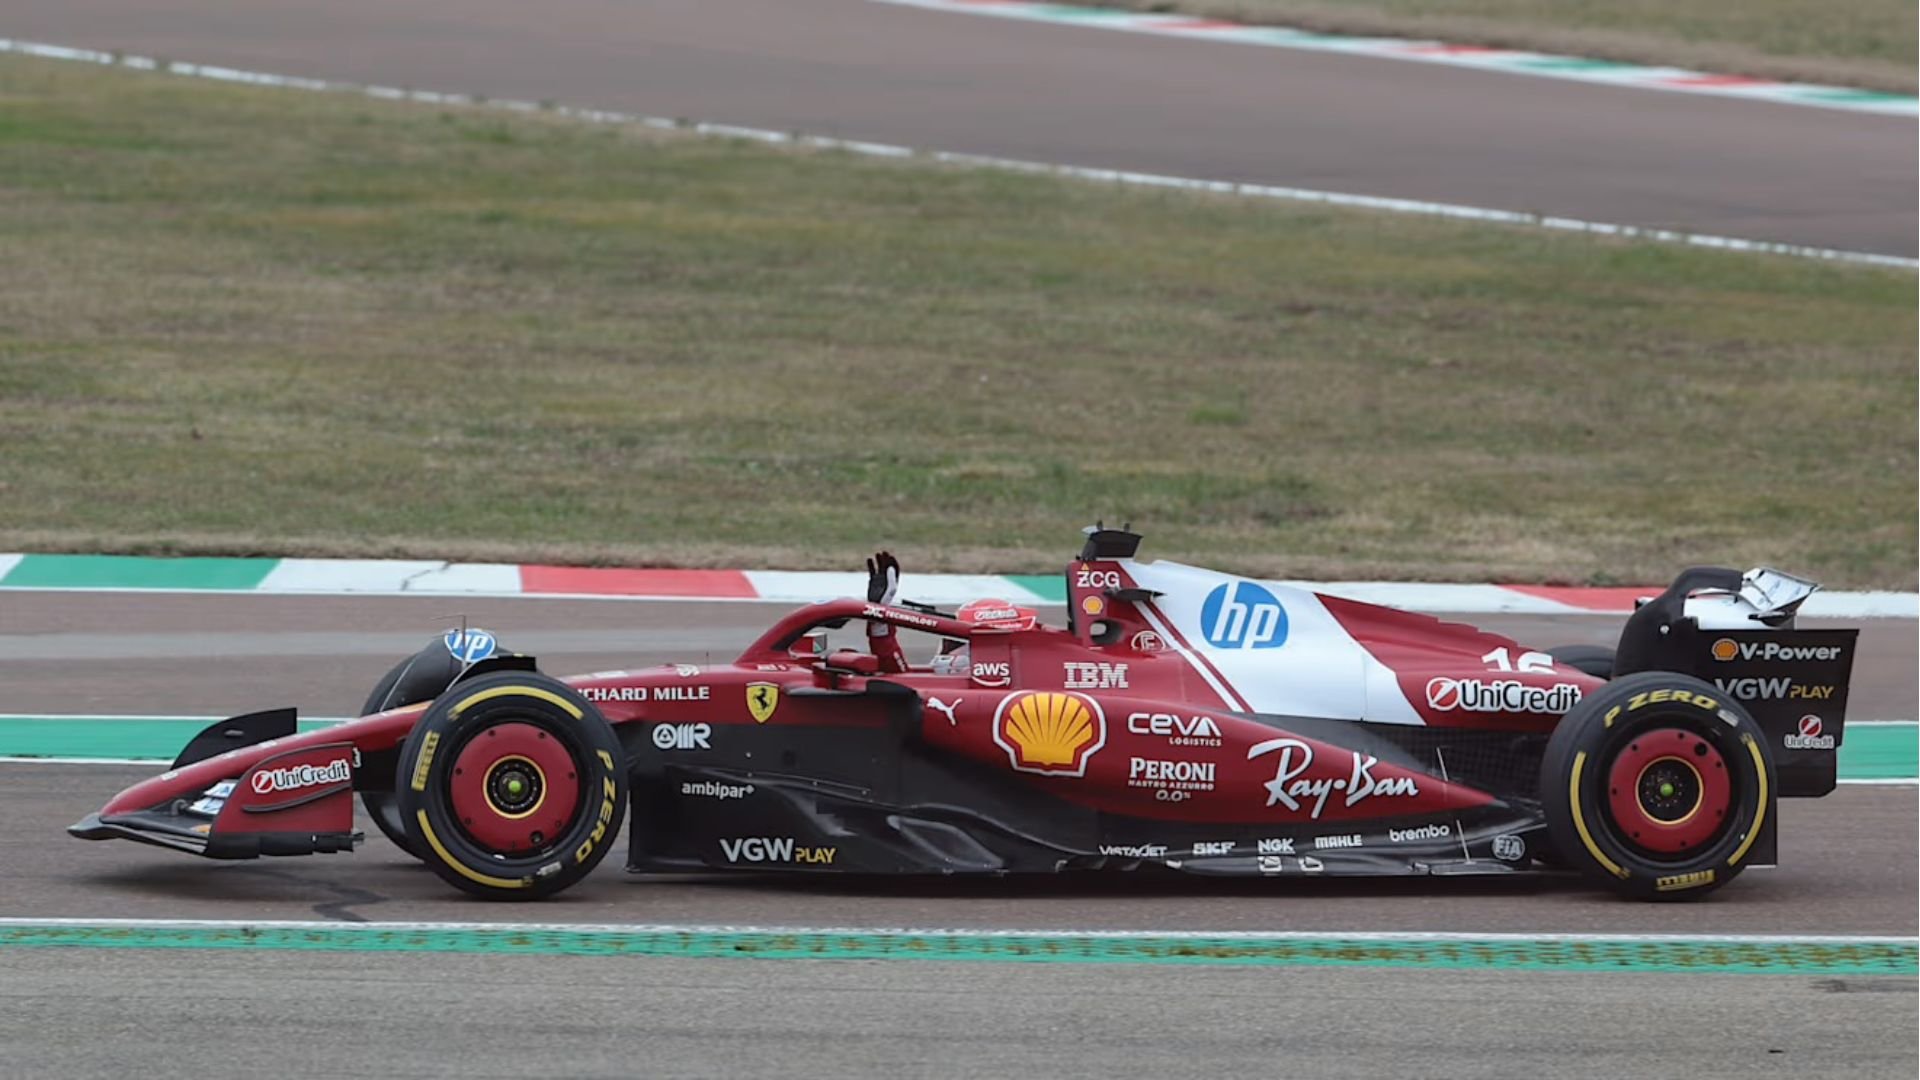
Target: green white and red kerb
<point x="1511" y="61"/>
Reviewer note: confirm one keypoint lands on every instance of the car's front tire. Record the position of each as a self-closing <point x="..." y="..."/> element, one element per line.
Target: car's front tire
<point x="512" y="786"/>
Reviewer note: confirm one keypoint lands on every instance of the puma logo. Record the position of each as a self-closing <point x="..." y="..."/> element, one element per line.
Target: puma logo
<point x="937" y="704"/>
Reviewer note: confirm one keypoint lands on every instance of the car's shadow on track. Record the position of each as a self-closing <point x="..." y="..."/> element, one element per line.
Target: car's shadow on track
<point x="389" y="886"/>
<point x="319" y="887"/>
<point x="1111" y="885"/>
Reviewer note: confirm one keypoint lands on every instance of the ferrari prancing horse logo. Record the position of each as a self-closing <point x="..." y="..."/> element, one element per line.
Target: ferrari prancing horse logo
<point x="762" y="699"/>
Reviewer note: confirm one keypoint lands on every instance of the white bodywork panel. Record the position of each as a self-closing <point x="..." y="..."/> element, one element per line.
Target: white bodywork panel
<point x="1318" y="670"/>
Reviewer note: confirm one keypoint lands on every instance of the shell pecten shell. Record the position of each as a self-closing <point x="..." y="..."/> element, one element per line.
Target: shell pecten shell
<point x="1050" y="732"/>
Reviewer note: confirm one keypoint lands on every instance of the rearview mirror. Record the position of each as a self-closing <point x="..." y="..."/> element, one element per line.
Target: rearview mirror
<point x="811" y="646"/>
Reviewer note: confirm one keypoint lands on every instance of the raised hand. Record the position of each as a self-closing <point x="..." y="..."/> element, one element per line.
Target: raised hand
<point x="883" y="578"/>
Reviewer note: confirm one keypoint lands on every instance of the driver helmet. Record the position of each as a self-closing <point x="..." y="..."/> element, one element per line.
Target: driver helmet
<point x="996" y="614"/>
<point x="991" y="613"/>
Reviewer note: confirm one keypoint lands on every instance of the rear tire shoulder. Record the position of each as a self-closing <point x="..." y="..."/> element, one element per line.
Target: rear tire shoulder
<point x="1594" y="660"/>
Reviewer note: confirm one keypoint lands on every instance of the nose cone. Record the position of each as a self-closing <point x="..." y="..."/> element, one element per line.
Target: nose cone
<point x="89" y="828"/>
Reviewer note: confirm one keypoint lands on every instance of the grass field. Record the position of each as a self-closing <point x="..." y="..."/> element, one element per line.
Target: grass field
<point x="242" y="321"/>
<point x="1868" y="43"/>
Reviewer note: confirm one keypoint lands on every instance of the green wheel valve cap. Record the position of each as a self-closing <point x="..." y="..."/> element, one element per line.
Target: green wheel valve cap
<point x="1666" y="789"/>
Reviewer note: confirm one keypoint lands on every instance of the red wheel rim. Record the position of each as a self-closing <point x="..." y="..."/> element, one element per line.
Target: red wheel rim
<point x="1669" y="791"/>
<point x="514" y="788"/>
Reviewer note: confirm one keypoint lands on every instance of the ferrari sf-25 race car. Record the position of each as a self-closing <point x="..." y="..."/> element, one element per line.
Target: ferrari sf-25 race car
<point x="1184" y="720"/>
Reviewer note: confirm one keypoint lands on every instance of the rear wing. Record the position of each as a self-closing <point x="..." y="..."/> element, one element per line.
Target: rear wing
<point x="1793" y="683"/>
<point x="1736" y="631"/>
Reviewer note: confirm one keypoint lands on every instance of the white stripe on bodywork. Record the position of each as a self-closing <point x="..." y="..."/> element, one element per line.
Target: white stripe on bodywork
<point x="1320" y="671"/>
<point x="1459" y="599"/>
<point x="1177" y="644"/>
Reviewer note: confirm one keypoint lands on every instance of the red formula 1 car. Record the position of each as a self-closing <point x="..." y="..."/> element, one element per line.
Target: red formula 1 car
<point x="1184" y="719"/>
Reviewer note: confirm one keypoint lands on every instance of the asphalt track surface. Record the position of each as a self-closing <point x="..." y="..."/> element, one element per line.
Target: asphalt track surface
<point x="1074" y="96"/>
<point x="273" y="1014"/>
<point x="1848" y="867"/>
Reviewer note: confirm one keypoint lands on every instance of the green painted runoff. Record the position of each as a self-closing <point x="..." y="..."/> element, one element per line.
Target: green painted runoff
<point x="1785" y="956"/>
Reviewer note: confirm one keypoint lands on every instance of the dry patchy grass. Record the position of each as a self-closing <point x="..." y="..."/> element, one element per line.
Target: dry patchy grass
<point x="254" y="321"/>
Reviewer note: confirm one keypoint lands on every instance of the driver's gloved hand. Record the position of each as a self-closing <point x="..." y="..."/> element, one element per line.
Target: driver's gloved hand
<point x="883" y="578"/>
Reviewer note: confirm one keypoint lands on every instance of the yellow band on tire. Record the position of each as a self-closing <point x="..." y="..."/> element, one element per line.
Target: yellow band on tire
<point x="446" y="856"/>
<point x="1760" y="813"/>
<point x="519" y="691"/>
<point x="1580" y="821"/>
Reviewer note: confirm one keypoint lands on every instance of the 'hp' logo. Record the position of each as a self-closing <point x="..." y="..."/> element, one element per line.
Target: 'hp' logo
<point x="469" y="647"/>
<point x="1242" y="615"/>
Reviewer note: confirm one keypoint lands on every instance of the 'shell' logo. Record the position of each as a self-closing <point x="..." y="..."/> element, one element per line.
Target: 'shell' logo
<point x="1053" y="733"/>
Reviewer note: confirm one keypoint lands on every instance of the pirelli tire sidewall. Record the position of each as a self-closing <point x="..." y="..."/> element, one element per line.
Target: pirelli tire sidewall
<point x="420" y="677"/>
<point x="425" y="773"/>
<point x="1575" y="786"/>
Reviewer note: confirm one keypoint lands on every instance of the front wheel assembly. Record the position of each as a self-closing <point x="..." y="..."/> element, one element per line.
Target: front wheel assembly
<point x="512" y="786"/>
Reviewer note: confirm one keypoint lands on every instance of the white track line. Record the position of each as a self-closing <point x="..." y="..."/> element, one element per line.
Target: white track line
<point x="170" y="716"/>
<point x="1433" y="599"/>
<point x="482" y="594"/>
<point x="1890" y="781"/>
<point x="1526" y="63"/>
<point x="155" y="762"/>
<point x="1116" y="176"/>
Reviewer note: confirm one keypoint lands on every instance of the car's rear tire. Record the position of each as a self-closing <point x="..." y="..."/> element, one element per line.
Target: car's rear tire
<point x="1594" y="660"/>
<point x="513" y="786"/>
<point x="1657" y="786"/>
<point x="420" y="677"/>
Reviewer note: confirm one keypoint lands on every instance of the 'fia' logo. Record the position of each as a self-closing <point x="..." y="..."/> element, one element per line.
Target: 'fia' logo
<point x="762" y="699"/>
